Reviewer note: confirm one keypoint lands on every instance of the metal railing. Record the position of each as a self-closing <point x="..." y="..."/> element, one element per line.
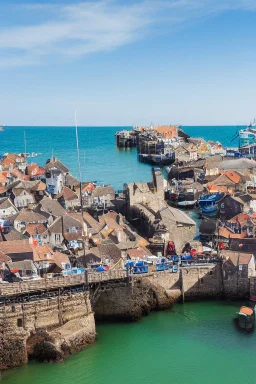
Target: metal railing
<point x="60" y="282"/>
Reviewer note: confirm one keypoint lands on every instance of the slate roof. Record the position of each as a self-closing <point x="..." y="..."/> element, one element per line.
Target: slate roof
<point x="237" y="257"/>
<point x="103" y="191"/>
<point x="55" y="163"/>
<point x="91" y="256"/>
<point x="27" y="265"/>
<point x="71" y="181"/>
<point x="108" y="250"/>
<point x="170" y="214"/>
<point x="29" y="216"/>
<point x="51" y="206"/>
<point x="237" y="164"/>
<point x="14" y="235"/>
<point x="6" y="203"/>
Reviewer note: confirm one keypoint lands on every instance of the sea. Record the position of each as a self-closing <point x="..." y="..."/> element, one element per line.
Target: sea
<point x="195" y="343"/>
<point x="100" y="159"/>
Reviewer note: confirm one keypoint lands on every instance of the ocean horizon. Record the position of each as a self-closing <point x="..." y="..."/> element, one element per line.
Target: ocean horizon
<point x="101" y="160"/>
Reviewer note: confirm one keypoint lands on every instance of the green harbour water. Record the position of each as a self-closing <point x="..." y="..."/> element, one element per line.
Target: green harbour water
<point x="197" y="343"/>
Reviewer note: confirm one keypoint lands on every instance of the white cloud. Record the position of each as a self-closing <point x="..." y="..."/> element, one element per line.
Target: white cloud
<point x="86" y="27"/>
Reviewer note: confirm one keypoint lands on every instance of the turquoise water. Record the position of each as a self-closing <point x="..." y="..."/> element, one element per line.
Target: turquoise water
<point x="201" y="347"/>
<point x="101" y="160"/>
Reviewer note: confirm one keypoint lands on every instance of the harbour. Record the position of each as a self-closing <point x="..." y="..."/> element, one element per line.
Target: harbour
<point x="138" y="244"/>
<point x="194" y="333"/>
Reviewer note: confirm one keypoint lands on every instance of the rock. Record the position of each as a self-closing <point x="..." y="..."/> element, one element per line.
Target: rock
<point x="130" y="303"/>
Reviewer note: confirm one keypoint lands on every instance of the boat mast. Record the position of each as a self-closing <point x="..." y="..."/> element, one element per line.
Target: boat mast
<point x="25" y="146"/>
<point x="80" y="183"/>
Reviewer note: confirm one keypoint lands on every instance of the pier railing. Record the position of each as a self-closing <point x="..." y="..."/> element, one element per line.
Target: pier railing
<point x="45" y="284"/>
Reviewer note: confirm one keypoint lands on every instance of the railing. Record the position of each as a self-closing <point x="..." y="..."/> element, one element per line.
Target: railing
<point x="60" y="282"/>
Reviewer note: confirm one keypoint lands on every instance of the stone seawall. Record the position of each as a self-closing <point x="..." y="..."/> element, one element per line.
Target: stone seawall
<point x="47" y="329"/>
<point x="130" y="303"/>
<point x="202" y="282"/>
<point x="51" y="329"/>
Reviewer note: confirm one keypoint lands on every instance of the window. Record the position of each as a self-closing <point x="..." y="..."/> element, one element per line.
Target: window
<point x="72" y="230"/>
<point x="201" y="281"/>
<point x="57" y="237"/>
<point x="19" y="323"/>
<point x="210" y="273"/>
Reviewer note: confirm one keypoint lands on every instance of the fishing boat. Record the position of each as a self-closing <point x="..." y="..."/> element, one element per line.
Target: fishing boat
<point x="186" y="200"/>
<point x="207" y="200"/>
<point x="210" y="210"/>
<point x="246" y="318"/>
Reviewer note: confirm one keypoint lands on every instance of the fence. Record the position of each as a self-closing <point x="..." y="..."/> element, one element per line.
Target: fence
<point x="60" y="282"/>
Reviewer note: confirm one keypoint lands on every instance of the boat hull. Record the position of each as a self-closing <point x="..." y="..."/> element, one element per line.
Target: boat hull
<point x="246" y="318"/>
<point x="186" y="204"/>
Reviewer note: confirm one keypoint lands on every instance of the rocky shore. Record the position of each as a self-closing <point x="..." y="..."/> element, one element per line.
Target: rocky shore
<point x="132" y="302"/>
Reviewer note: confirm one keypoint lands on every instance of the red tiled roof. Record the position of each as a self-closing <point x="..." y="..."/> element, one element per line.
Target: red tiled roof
<point x="15" y="246"/>
<point x="34" y="229"/>
<point x="233" y="176"/>
<point x="42" y="253"/>
<point x="224" y="232"/>
<point x="68" y="194"/>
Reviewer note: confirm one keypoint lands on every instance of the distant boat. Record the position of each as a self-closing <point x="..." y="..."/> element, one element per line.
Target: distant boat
<point x="1" y="128"/>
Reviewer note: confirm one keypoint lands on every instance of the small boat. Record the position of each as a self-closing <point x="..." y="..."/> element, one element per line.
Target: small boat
<point x="210" y="210"/>
<point x="186" y="200"/>
<point x="1" y="128"/>
<point x="207" y="200"/>
<point x="246" y="318"/>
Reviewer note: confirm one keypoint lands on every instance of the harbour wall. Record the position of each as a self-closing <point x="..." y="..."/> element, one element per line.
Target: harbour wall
<point x="51" y="329"/>
<point x="48" y="329"/>
<point x="203" y="282"/>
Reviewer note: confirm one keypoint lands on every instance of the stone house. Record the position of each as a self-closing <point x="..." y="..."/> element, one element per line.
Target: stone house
<point x="50" y="207"/>
<point x="186" y="152"/>
<point x="69" y="199"/>
<point x="26" y="268"/>
<point x="17" y="250"/>
<point x="7" y="209"/>
<point x="55" y="175"/>
<point x="26" y="217"/>
<point x="103" y="195"/>
<point x="63" y="230"/>
<point x="238" y="267"/>
<point x="23" y="198"/>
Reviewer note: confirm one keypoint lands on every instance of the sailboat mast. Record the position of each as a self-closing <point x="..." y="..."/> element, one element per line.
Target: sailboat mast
<point x="25" y="146"/>
<point x="80" y="178"/>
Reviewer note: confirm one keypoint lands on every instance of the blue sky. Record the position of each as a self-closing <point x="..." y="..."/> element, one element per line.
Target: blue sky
<point x="189" y="62"/>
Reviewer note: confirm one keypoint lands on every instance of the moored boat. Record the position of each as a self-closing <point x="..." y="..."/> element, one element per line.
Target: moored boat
<point x="209" y="199"/>
<point x="186" y="200"/>
<point x="246" y="318"/>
